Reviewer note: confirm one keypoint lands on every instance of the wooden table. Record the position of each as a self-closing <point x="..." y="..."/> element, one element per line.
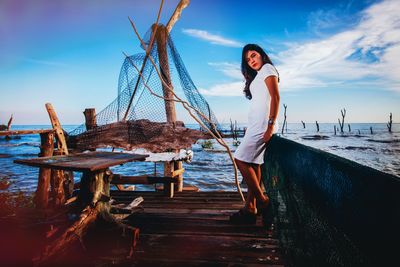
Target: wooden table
<point x="93" y="198"/>
<point x="83" y="162"/>
<point x="95" y="182"/>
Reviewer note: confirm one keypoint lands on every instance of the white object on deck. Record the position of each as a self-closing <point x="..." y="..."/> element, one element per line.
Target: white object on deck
<point x="183" y="155"/>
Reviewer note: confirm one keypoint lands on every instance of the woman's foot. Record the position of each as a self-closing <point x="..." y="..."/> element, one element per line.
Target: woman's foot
<point x="266" y="211"/>
<point x="243" y="216"/>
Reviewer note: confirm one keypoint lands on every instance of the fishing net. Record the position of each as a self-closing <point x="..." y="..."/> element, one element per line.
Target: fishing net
<point x="331" y="211"/>
<point x="147" y="109"/>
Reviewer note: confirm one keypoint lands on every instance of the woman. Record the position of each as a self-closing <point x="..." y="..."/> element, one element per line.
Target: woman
<point x="262" y="90"/>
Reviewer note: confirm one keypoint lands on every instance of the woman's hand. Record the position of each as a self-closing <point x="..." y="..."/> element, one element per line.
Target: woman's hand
<point x="268" y="134"/>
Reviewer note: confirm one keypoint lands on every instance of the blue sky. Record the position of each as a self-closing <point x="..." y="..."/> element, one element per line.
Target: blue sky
<point x="330" y="55"/>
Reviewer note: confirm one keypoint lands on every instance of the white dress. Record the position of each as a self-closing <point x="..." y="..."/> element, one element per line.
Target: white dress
<point x="252" y="147"/>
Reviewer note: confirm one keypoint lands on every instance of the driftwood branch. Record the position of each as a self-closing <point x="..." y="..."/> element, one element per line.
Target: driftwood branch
<point x="60" y="246"/>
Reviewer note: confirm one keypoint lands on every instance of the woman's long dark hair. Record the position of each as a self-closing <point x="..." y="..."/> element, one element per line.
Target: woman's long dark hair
<point x="249" y="73"/>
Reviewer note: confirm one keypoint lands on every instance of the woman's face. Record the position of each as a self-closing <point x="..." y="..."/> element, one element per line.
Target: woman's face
<point x="254" y="60"/>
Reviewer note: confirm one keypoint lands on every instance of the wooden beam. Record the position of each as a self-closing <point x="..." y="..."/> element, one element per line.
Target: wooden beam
<point x="178" y="171"/>
<point x="23" y="132"/>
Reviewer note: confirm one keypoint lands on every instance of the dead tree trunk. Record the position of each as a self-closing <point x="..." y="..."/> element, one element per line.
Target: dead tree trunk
<point x="389" y="124"/>
<point x="316" y="123"/>
<point x="334" y="129"/>
<point x="304" y="124"/>
<point x="349" y="127"/>
<point x="341" y="123"/>
<point x="284" y="121"/>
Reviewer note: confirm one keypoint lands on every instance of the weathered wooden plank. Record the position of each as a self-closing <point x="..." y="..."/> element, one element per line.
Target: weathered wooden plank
<point x="197" y="226"/>
<point x="176" y="262"/>
<point x="192" y="206"/>
<point x="255" y="231"/>
<point x="141" y="179"/>
<point x="82" y="162"/>
<point x="209" y="248"/>
<point x="23" y="132"/>
<point x="185" y="194"/>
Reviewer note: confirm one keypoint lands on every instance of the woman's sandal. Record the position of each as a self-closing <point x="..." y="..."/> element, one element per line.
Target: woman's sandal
<point x="243" y="216"/>
<point x="267" y="214"/>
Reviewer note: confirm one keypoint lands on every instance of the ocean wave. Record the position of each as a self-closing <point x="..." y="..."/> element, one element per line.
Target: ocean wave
<point x="315" y="137"/>
<point x="385" y="141"/>
<point x="359" y="148"/>
<point x="34" y="144"/>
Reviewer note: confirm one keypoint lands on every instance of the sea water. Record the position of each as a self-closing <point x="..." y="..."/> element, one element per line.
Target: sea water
<point x="211" y="167"/>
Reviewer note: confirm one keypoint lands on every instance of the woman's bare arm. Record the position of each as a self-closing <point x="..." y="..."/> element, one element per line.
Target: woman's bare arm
<point x="272" y="85"/>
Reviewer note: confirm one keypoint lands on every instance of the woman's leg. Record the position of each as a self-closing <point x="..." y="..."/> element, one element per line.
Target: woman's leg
<point x="252" y="175"/>
<point x="251" y="199"/>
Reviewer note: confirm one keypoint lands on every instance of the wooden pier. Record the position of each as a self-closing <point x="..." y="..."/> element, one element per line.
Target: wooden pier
<point x="192" y="229"/>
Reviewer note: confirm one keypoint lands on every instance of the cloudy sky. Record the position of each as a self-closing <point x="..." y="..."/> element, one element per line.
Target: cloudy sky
<point x="330" y="55"/>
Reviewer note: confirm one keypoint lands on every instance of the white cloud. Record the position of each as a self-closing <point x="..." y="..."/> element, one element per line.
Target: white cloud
<point x="44" y="62"/>
<point x="229" y="69"/>
<point x="224" y="89"/>
<point x="365" y="55"/>
<point x="212" y="38"/>
<point x="328" y="62"/>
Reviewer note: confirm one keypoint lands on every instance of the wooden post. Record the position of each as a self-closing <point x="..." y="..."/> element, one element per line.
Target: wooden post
<point x="178" y="166"/>
<point x="42" y="192"/>
<point x="57" y="176"/>
<point x="161" y="38"/>
<point x="168" y="170"/>
<point x="90" y="118"/>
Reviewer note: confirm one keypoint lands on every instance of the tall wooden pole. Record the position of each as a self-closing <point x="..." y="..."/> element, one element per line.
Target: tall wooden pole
<point x="161" y="37"/>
